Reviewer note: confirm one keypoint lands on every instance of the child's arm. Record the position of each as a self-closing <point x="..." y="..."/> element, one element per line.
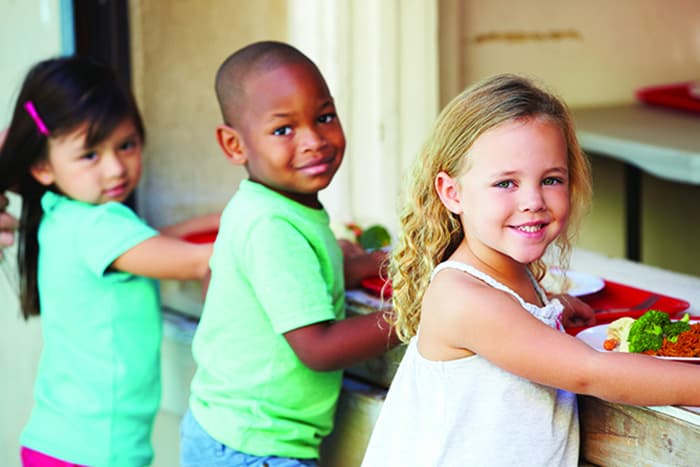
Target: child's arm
<point x="167" y="256"/>
<point x="335" y="345"/>
<point x="359" y="264"/>
<point x="462" y="316"/>
<point x="163" y="257"/>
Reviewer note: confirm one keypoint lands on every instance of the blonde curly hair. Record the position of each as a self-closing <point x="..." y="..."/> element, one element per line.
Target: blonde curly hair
<point x="429" y="232"/>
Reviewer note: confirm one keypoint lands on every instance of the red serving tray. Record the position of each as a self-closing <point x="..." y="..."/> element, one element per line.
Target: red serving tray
<point x="375" y="285"/>
<point x="677" y="96"/>
<point x="613" y="296"/>
<point x="202" y="237"/>
<point x="616" y="295"/>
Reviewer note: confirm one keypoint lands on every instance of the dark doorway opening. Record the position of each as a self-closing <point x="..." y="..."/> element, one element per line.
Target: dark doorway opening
<point x="102" y="32"/>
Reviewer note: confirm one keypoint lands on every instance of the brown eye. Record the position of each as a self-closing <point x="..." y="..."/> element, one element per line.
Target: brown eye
<point x="282" y="131"/>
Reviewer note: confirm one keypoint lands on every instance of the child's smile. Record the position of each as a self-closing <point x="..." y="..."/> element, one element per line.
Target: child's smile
<point x="290" y="136"/>
<point x="516" y="188"/>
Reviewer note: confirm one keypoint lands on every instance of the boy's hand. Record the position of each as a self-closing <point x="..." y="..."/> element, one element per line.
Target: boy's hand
<point x="8" y="225"/>
<point x="350" y="248"/>
<point x="359" y="264"/>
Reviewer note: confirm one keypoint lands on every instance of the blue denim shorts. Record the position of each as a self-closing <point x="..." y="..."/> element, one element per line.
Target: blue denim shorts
<point x="198" y="449"/>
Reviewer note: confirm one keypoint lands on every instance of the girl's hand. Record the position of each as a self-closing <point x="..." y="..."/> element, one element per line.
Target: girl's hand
<point x="576" y="312"/>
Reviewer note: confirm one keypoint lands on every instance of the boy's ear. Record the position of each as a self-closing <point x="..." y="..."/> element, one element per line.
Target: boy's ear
<point x="448" y="191"/>
<point x="42" y="173"/>
<point x="230" y="142"/>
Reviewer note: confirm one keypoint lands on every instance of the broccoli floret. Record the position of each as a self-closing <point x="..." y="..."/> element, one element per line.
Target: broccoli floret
<point x="674" y="328"/>
<point x="647" y="332"/>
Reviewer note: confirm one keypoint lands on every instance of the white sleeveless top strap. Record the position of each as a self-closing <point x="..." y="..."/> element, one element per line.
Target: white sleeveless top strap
<point x="549" y="314"/>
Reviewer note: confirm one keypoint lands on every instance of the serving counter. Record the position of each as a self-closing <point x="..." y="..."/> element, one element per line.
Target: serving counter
<point x="612" y="434"/>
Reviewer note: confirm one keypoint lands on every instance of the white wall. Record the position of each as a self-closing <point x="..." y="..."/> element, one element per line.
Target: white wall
<point x="29" y="31"/>
<point x="380" y="61"/>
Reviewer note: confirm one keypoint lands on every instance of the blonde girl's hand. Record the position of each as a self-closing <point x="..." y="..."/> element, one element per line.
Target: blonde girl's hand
<point x="576" y="312"/>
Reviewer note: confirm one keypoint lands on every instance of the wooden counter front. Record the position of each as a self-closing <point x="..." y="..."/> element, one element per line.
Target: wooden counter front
<point x="611" y="434"/>
<point x="622" y="435"/>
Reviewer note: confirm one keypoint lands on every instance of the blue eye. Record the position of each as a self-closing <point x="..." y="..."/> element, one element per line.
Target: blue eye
<point x="282" y="131"/>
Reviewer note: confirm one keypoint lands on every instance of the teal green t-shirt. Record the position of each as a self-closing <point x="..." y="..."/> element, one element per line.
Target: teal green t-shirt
<point x="97" y="388"/>
<point x="276" y="267"/>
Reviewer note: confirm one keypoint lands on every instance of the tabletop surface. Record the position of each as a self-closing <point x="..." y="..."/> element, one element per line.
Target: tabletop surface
<point x="674" y="284"/>
<point x="663" y="142"/>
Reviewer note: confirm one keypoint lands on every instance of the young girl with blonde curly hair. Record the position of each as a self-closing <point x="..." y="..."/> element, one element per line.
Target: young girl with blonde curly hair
<point x="489" y="377"/>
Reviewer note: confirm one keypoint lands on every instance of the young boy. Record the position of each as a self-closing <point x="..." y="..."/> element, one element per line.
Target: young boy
<point x="272" y="339"/>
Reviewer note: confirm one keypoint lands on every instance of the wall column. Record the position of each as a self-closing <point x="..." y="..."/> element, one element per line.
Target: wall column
<point x="380" y="59"/>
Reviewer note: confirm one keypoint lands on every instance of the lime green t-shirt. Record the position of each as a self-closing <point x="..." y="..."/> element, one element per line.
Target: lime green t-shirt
<point x="276" y="267"/>
<point x="97" y="388"/>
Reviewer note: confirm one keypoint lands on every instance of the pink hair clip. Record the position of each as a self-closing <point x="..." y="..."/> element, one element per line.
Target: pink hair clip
<point x="31" y="110"/>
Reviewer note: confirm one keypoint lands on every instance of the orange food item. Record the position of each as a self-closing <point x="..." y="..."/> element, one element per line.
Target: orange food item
<point x="610" y="344"/>
<point x="687" y="345"/>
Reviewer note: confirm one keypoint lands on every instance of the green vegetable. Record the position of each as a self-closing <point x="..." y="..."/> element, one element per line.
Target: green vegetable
<point x="674" y="328"/>
<point x="374" y="237"/>
<point x="647" y="332"/>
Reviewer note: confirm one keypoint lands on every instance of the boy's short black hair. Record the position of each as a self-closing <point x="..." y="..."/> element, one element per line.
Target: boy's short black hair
<point x="249" y="61"/>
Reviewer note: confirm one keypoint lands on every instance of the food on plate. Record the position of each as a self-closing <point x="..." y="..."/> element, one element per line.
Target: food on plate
<point x="346" y="231"/>
<point x="374" y="237"/>
<point x="654" y="333"/>
<point x="556" y="282"/>
<point x="686" y="345"/>
<point x="617" y="334"/>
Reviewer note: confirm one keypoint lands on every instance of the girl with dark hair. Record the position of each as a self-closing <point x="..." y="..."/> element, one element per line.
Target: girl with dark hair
<point x="87" y="263"/>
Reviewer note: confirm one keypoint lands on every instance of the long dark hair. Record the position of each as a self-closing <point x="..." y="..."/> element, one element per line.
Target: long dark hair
<point x="65" y="93"/>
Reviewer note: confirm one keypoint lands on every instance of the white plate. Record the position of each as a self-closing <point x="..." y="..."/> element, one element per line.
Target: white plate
<point x="576" y="283"/>
<point x="596" y="335"/>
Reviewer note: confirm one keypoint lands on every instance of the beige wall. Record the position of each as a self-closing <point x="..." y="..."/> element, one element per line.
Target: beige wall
<point x="590" y="52"/>
<point x="176" y="50"/>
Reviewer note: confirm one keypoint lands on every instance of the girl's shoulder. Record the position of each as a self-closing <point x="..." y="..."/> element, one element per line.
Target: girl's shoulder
<point x="460" y="310"/>
<point x="458" y="289"/>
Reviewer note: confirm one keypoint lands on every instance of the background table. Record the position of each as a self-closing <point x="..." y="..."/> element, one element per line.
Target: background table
<point x="658" y="141"/>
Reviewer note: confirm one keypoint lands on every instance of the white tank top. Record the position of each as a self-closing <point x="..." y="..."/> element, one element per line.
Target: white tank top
<point x="468" y="412"/>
